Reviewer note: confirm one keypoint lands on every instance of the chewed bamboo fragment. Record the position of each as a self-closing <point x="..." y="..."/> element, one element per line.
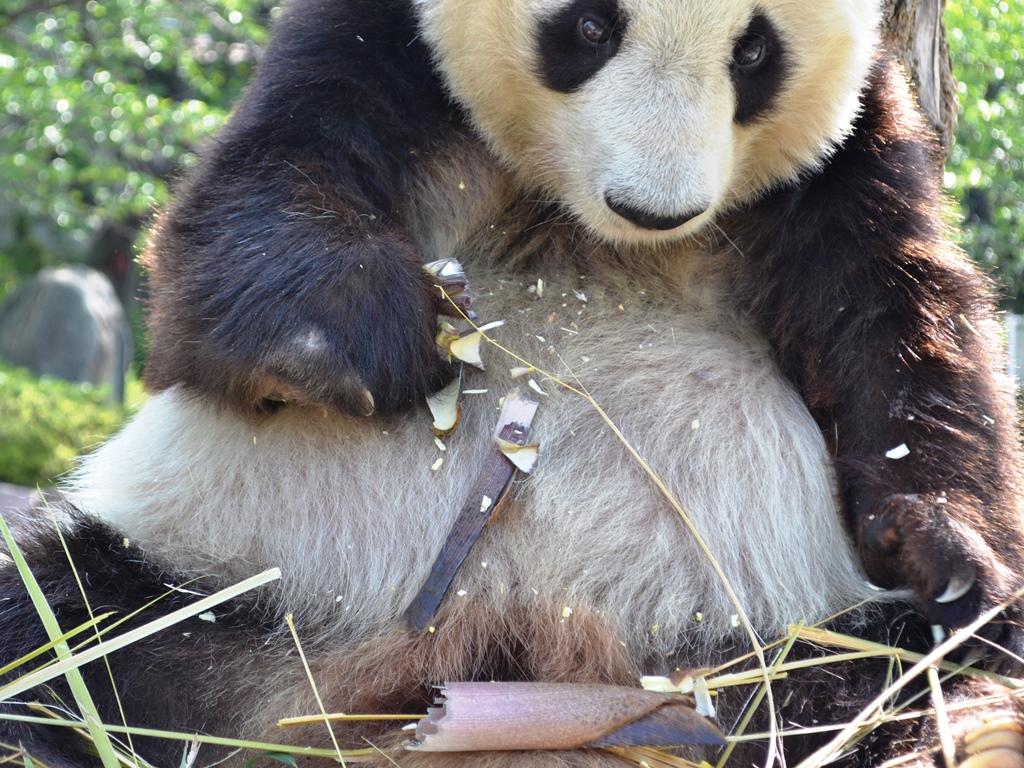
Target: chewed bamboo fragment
<point x="465" y="347"/>
<point x="484" y="503"/>
<point x="473" y="717"/>
<point x="523" y="456"/>
<point x="444" y="407"/>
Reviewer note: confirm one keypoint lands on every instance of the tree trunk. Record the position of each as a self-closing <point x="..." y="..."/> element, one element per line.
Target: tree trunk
<point x="914" y="31"/>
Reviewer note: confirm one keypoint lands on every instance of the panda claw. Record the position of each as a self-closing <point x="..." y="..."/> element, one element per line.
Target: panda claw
<point x="959" y="585"/>
<point x="368" y="403"/>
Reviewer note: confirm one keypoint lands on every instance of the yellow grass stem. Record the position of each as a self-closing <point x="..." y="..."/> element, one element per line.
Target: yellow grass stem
<point x="784" y="639"/>
<point x="755" y="702"/>
<point x="884" y="717"/>
<point x="853" y="728"/>
<point x="316" y="693"/>
<point x="781" y="671"/>
<point x="941" y="718"/>
<point x="837" y="640"/>
<point x="338" y="717"/>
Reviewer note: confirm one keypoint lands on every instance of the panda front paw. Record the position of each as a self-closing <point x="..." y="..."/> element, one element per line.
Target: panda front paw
<point x="922" y="541"/>
<point x="376" y="354"/>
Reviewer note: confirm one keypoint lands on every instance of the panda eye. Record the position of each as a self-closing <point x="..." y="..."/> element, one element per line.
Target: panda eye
<point x="750" y="52"/>
<point x="593" y="31"/>
<point x="759" y="68"/>
<point x="574" y="43"/>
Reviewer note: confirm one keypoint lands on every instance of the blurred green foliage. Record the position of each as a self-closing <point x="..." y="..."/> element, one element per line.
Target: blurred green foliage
<point x="985" y="172"/>
<point x="46" y="423"/>
<point x="101" y="102"/>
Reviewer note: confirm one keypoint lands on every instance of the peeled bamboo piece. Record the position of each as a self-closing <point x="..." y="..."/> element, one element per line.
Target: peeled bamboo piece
<point x="473" y="717"/>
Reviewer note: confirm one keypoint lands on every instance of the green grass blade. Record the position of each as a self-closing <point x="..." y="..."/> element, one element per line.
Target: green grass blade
<point x="104" y="748"/>
<point x="99" y="650"/>
<point x="50" y="645"/>
<point x="261" y="746"/>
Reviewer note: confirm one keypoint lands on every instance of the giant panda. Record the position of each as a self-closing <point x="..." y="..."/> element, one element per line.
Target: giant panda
<point x="719" y="222"/>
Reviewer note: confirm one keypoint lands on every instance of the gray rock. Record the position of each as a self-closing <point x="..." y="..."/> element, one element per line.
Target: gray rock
<point x="67" y="322"/>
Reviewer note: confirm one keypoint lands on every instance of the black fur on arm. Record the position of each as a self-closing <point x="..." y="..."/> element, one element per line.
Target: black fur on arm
<point x="887" y="331"/>
<point x="282" y="270"/>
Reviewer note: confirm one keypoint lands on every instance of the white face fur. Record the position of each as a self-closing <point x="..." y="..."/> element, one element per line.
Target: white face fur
<point x="670" y="111"/>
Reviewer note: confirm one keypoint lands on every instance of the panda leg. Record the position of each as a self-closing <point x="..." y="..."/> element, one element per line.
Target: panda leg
<point x="187" y="678"/>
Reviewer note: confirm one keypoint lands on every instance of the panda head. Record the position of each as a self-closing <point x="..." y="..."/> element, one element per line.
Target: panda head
<point x="647" y="118"/>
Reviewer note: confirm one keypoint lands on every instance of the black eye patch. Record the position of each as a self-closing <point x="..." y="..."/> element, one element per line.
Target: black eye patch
<point x="576" y="42"/>
<point x="759" y="67"/>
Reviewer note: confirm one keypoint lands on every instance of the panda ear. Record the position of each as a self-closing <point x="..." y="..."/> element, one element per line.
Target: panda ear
<point x="759" y="68"/>
<point x="574" y="43"/>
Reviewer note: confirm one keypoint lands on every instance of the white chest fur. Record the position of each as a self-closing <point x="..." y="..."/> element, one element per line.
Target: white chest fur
<point x="353" y="512"/>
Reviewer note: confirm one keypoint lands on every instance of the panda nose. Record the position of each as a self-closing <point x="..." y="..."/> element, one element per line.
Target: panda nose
<point x="648" y="220"/>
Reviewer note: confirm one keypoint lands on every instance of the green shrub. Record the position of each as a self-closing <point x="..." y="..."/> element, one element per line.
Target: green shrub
<point x="46" y="423"/>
